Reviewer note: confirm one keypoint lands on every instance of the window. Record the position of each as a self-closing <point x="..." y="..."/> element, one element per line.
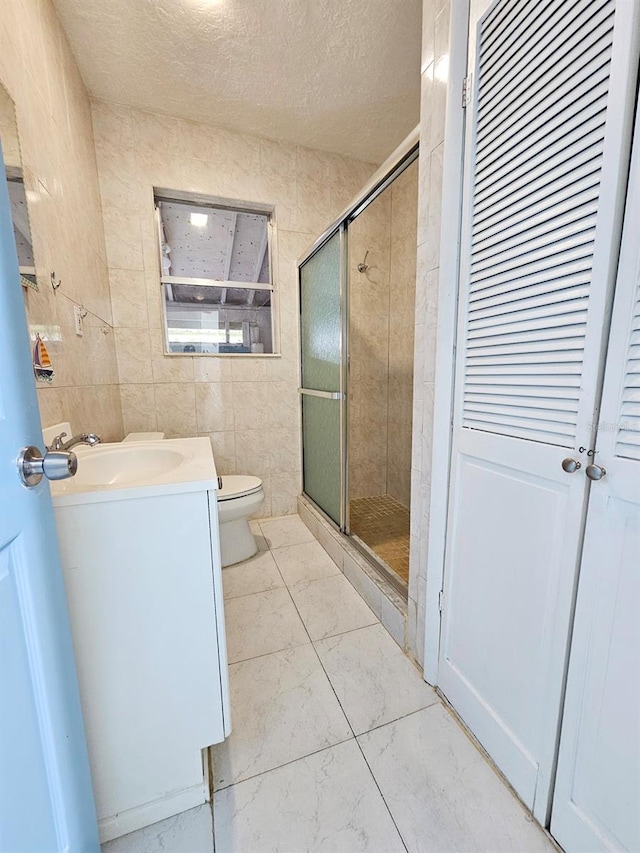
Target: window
<point x="216" y="275"/>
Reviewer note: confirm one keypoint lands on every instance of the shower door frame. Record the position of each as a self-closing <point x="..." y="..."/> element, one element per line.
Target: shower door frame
<point x="404" y="155"/>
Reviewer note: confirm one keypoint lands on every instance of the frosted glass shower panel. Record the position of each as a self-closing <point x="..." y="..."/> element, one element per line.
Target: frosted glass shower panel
<point x="320" y="331"/>
<point x="321" y="441"/>
<point x="320" y="318"/>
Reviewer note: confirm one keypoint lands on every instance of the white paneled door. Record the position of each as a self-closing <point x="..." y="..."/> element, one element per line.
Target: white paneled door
<point x="596" y="804"/>
<point x="545" y="180"/>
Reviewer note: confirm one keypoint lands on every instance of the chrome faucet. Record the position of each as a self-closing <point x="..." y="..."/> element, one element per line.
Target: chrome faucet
<point x="82" y="438"/>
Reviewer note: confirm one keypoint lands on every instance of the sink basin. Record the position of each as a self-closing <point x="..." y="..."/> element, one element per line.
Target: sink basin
<point x="126" y="470"/>
<point x="121" y="466"/>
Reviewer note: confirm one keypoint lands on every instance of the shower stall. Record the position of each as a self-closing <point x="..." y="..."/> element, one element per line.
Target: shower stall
<point x="357" y="319"/>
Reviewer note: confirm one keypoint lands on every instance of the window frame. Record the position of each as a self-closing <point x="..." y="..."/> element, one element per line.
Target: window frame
<point x="235" y="205"/>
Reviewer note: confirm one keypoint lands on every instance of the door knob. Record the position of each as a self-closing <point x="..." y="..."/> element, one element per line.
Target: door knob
<point x="570" y="465"/>
<point x="54" y="465"/>
<point x="595" y="472"/>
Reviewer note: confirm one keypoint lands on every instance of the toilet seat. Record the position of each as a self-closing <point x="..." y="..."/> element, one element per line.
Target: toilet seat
<point x="238" y="486"/>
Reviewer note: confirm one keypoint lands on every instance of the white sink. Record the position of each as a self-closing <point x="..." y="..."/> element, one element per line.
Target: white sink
<point x="127" y="470"/>
<point x="117" y="465"/>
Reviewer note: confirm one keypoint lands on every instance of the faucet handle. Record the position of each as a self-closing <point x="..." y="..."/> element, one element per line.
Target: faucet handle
<point x="56" y="444"/>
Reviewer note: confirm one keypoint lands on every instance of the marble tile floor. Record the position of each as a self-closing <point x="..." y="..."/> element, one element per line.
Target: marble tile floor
<point x="383" y="524"/>
<point x="338" y="745"/>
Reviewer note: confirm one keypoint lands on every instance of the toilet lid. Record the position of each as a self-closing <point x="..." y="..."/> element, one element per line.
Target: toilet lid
<point x="237" y="486"/>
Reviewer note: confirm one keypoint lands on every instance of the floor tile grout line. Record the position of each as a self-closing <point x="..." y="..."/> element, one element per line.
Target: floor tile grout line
<point x="364" y="758"/>
<point x="375" y="781"/>
<point x="286" y="763"/>
<point x="354" y="736"/>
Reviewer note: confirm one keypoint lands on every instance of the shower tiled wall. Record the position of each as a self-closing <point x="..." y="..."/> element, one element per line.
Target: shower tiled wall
<point x="381" y="334"/>
<point x="369" y="349"/>
<point x="402" y="296"/>
<point x="58" y="158"/>
<point x="248" y="407"/>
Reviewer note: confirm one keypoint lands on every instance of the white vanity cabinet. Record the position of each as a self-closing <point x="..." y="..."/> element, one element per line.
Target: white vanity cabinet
<point x="144" y="588"/>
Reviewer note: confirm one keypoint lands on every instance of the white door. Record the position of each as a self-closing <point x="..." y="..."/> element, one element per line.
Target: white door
<point x="596" y="805"/>
<point x="545" y="179"/>
<point x="46" y="801"/>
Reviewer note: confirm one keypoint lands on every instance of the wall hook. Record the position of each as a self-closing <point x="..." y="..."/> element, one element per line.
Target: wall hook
<point x="364" y="266"/>
<point x="55" y="284"/>
<point x="83" y="312"/>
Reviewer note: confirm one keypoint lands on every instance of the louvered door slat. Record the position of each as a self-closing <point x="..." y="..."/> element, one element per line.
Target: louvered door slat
<point x="530" y="251"/>
<point x="538" y="227"/>
<point x="541" y="170"/>
<point x="573" y="49"/>
<point x="570" y="103"/>
<point x="542" y="96"/>
<point x="550" y="306"/>
<point x="548" y="200"/>
<point x="574" y="38"/>
<point x="628" y="438"/>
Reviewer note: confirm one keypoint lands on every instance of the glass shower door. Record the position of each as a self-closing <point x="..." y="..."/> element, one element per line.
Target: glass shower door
<point x="322" y="392"/>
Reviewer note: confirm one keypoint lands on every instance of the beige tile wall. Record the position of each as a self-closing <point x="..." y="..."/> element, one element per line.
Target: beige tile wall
<point x="402" y="296"/>
<point x="381" y="332"/>
<point x="247" y="406"/>
<point x="435" y="53"/>
<point x="56" y="140"/>
<point x="369" y="349"/>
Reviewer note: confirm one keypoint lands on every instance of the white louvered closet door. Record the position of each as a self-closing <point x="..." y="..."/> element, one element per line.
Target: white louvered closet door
<point x="597" y="794"/>
<point x="545" y="177"/>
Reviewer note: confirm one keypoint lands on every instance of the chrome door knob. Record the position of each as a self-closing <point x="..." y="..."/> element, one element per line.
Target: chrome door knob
<point x="54" y="465"/>
<point x="595" y="472"/>
<point x="570" y="465"/>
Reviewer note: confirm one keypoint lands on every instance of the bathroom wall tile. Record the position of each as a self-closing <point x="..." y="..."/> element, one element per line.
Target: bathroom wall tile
<point x="214" y="406"/>
<point x="138" y="408"/>
<point x="373" y="679"/>
<point x="285" y="489"/>
<point x="284" y="450"/>
<point x="262" y="623"/>
<point x="434" y="215"/>
<point x="176" y="408"/>
<point x="248" y="370"/>
<point x="326" y="801"/>
<point x="223" y="445"/>
<point x="212" y="369"/>
<point x="330" y="606"/>
<point x="284" y="709"/>
<point x="250" y="453"/>
<point x="441" y="53"/>
<point x="168" y="368"/>
<point x="304" y="562"/>
<point x="133" y="353"/>
<point x="258" y="574"/>
<point x="128" y="298"/>
<point x="251" y="405"/>
<point x="51" y="405"/>
<point x="153" y="292"/>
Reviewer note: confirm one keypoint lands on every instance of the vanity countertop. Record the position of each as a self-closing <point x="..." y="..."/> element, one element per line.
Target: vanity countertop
<point x="123" y="471"/>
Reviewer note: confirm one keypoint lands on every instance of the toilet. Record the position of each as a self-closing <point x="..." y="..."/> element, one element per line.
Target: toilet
<point x="239" y="497"/>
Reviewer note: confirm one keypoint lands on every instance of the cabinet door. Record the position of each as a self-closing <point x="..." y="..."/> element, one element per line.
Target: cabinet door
<point x="597" y="793"/>
<point x="545" y="185"/>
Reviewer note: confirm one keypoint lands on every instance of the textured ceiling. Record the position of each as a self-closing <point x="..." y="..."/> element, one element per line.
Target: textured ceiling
<point x="338" y="75"/>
